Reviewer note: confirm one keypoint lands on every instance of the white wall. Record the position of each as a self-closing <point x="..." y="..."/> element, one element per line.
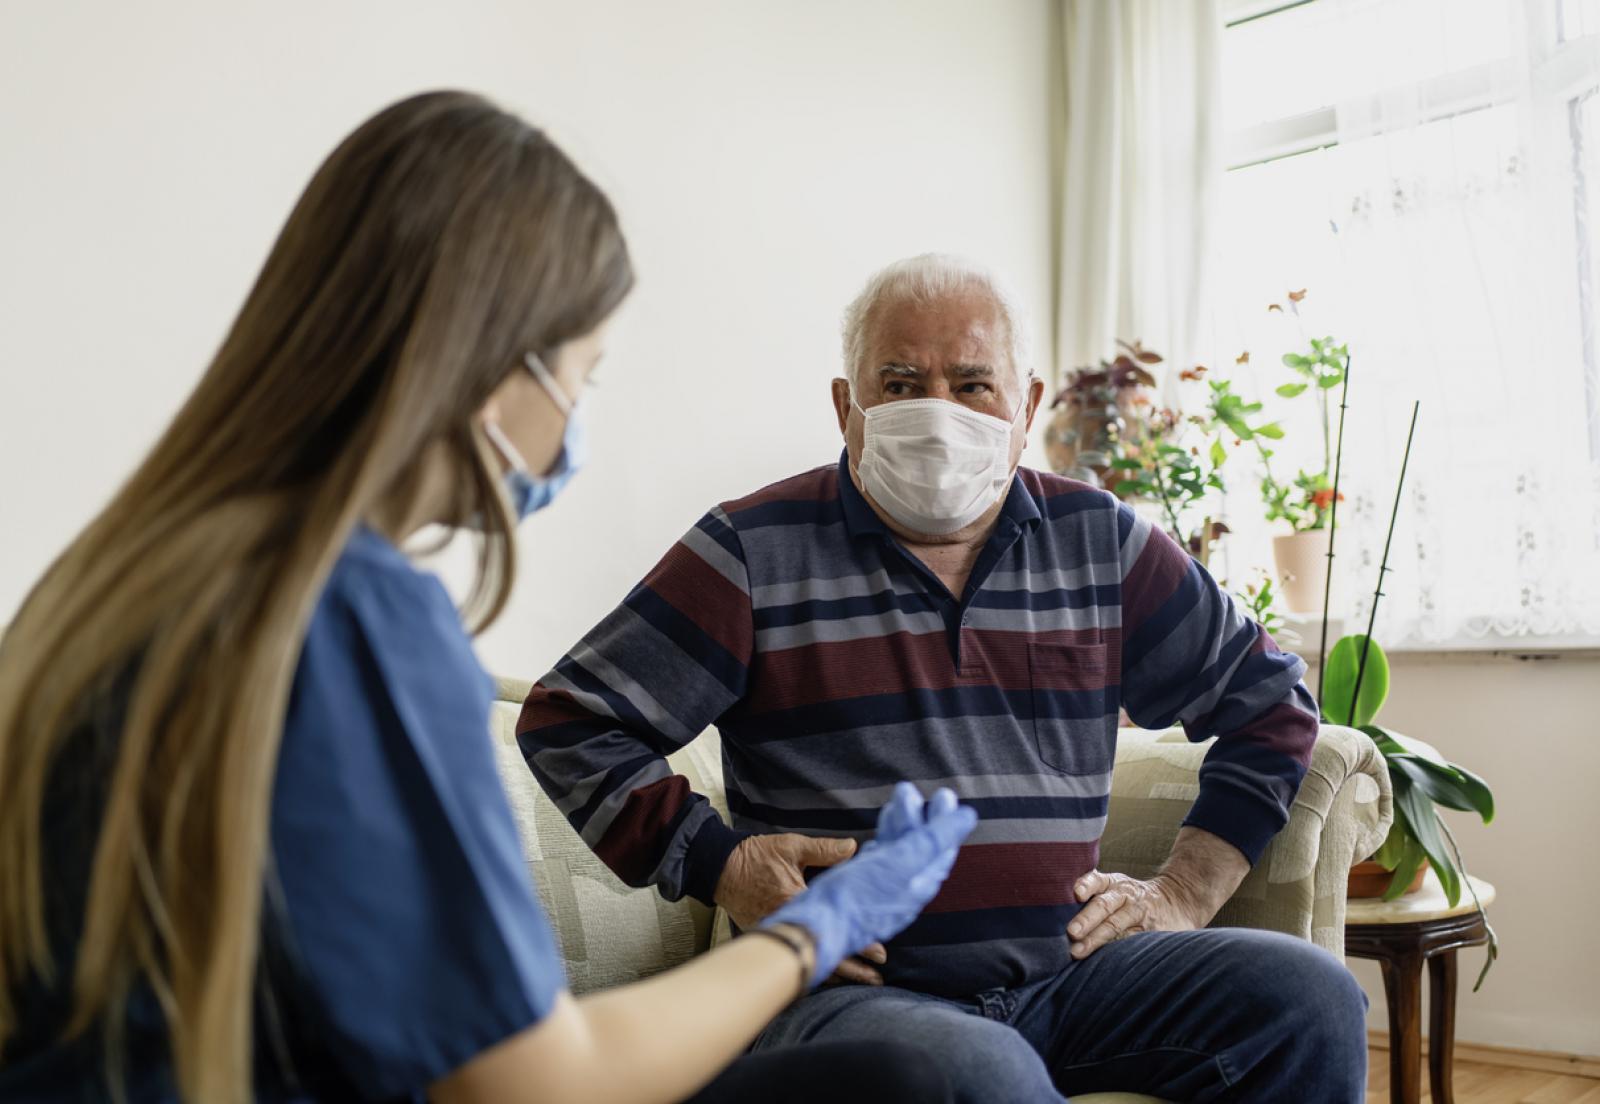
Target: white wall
<point x="765" y="158"/>
<point x="1529" y="728"/>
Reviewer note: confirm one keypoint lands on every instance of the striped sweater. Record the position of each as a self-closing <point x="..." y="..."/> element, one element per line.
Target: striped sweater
<point x="834" y="663"/>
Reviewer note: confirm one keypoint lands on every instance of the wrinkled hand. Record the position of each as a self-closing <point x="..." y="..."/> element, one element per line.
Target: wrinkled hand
<point x="764" y="872"/>
<point x="883" y="889"/>
<point x="1116" y="905"/>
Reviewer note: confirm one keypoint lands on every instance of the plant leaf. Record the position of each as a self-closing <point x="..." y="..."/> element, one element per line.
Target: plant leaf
<point x="1477" y="794"/>
<point x="1440" y="790"/>
<point x="1411" y="856"/>
<point x="1423" y="822"/>
<point x="1290" y="390"/>
<point x="1272" y="431"/>
<point x="1339" y="682"/>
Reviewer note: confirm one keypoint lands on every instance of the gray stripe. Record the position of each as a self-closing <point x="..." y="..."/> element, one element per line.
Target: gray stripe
<point x="1056" y="578"/>
<point x="876" y="581"/>
<point x="1134" y="545"/>
<point x="967" y="788"/>
<point x="849" y="628"/>
<point x="594" y="829"/>
<point x="1051" y="620"/>
<point x="620" y="682"/>
<point x="721" y="561"/>
<point x="1050" y="830"/>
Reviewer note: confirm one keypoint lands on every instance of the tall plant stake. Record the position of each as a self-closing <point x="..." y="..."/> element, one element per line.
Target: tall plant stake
<point x="1333" y="526"/>
<point x="1383" y="568"/>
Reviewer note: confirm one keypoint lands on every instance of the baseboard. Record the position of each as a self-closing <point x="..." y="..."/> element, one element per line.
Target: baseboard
<point x="1545" y="1061"/>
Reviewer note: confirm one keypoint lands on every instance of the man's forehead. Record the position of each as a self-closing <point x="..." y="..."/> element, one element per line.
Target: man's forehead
<point x="963" y="328"/>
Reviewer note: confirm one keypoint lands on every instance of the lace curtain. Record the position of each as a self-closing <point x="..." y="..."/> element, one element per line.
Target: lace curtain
<point x="1449" y="237"/>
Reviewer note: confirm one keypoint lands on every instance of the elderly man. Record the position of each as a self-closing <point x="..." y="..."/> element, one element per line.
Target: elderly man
<point x="925" y="609"/>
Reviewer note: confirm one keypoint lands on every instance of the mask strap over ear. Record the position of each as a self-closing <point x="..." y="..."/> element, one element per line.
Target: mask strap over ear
<point x="502" y="444"/>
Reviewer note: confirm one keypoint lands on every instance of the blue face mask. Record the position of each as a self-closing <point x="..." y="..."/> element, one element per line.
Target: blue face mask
<point x="531" y="493"/>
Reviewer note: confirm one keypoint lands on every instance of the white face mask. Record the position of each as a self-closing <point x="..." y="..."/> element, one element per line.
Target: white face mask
<point x="933" y="464"/>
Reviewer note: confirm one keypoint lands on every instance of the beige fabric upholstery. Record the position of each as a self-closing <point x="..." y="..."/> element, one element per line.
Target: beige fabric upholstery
<point x="1340" y="816"/>
<point x="611" y="934"/>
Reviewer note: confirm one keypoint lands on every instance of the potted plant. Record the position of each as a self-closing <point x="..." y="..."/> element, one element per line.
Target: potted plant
<point x="1098" y="409"/>
<point x="1305" y="502"/>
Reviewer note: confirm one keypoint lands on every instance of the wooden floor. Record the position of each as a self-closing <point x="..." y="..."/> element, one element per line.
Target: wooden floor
<point x="1480" y="1083"/>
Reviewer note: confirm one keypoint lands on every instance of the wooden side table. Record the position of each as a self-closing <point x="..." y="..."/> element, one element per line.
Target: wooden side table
<point x="1401" y="935"/>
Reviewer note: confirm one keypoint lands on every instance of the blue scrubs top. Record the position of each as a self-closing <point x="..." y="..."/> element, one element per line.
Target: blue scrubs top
<point x="401" y="933"/>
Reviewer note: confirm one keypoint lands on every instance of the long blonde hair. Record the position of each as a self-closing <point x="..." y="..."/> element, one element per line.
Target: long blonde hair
<point x="441" y="241"/>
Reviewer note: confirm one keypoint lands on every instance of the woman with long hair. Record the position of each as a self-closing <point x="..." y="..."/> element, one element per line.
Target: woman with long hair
<point x="252" y="842"/>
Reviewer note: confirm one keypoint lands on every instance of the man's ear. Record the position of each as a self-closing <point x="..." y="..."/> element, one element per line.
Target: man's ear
<point x="841" y="403"/>
<point x="1035" y="398"/>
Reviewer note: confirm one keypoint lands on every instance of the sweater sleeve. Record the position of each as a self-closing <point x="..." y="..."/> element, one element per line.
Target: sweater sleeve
<point x="1190" y="657"/>
<point x="649" y="678"/>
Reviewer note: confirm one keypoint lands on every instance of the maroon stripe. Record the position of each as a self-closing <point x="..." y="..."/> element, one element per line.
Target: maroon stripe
<point x="1009" y="875"/>
<point x="705" y="596"/>
<point x="1283" y="729"/>
<point x="817" y="485"/>
<point x="549" y="707"/>
<point x="630" y="846"/>
<point x="1156" y="575"/>
<point x="897" y="662"/>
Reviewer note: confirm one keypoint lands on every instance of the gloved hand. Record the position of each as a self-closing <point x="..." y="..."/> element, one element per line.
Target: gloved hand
<point x="879" y="892"/>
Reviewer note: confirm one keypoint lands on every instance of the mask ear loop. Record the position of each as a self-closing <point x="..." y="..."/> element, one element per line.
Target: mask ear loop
<point x="547" y="380"/>
<point x="502" y="444"/>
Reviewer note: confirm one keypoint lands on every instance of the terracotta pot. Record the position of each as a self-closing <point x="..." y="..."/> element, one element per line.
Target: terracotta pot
<point x="1368" y="879"/>
<point x="1302" y="560"/>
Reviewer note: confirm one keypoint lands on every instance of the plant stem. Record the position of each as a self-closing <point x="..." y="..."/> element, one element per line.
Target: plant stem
<point x="1166" y="504"/>
<point x="1333" y="525"/>
<point x="1383" y="568"/>
<point x="1493" y="950"/>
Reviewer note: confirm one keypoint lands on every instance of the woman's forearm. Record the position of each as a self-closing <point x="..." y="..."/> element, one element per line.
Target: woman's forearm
<point x="653" y="1042"/>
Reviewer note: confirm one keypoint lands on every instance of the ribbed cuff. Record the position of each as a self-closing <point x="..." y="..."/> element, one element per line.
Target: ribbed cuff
<point x="708" y="854"/>
<point x="1244" y="820"/>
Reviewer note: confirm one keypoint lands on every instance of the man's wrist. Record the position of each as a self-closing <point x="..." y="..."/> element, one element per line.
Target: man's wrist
<point x="709" y="850"/>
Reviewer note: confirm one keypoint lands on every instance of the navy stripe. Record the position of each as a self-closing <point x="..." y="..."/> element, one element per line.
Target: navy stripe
<point x="807" y="515"/>
<point x="1184" y="600"/>
<point x="615" y="777"/>
<point x="724" y="536"/>
<point x="1040" y="601"/>
<point x="690" y="638"/>
<point x="839" y="609"/>
<point x="1077" y="502"/>
<point x="921" y="705"/>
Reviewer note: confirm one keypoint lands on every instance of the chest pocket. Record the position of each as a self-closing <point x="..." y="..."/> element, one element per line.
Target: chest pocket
<point x="1071" y="721"/>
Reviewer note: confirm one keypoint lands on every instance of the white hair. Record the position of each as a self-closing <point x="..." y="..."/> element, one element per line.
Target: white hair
<point x="927" y="279"/>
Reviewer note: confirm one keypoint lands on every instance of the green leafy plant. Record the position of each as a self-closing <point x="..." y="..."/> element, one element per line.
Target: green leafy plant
<point x="1306" y="500"/>
<point x="1259" y="600"/>
<point x="1177" y="460"/>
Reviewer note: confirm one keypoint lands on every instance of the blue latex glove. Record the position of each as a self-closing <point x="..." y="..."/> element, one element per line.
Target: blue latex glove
<point x="875" y="895"/>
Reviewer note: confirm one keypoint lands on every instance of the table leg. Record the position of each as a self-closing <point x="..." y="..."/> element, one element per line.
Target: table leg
<point x="1442" y="1025"/>
<point x="1402" y="984"/>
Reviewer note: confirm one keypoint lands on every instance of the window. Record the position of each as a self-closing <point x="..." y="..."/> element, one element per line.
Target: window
<point x="1430" y="171"/>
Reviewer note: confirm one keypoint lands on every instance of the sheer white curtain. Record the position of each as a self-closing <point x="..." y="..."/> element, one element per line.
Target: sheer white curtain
<point x="1448" y="236"/>
<point x="1141" y="165"/>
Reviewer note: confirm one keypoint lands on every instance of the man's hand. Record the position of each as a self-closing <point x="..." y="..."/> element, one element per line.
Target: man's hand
<point x="765" y="871"/>
<point x="1201" y="874"/>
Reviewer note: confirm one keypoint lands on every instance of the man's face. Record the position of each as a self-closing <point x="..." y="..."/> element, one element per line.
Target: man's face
<point x="955" y="349"/>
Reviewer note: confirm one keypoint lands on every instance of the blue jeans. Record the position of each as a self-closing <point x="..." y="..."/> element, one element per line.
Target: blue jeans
<point x="1223" y="1014"/>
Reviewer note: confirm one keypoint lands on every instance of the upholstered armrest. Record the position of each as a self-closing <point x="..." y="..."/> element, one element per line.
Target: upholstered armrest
<point x="1340" y="816"/>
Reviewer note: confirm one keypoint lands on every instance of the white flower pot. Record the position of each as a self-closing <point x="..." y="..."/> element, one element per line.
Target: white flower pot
<point x="1302" y="560"/>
